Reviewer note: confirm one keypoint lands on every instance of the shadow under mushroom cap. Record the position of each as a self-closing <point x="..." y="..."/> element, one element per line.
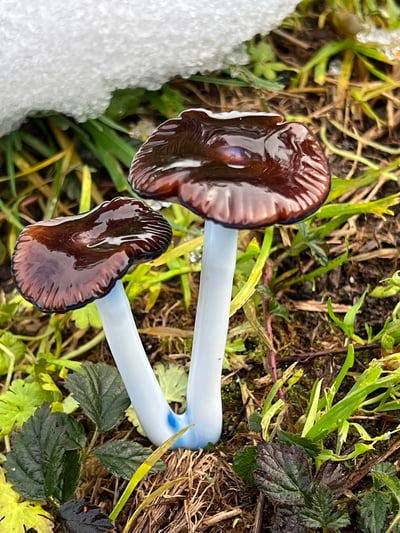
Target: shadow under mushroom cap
<point x="66" y="262"/>
<point x="239" y="169"/>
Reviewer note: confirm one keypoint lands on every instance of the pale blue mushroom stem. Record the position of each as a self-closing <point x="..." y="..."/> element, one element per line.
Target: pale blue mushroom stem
<point x="204" y="409"/>
<point x="142" y="386"/>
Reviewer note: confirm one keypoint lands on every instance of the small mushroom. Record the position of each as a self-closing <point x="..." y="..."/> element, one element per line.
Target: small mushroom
<point x="236" y="170"/>
<point x="64" y="263"/>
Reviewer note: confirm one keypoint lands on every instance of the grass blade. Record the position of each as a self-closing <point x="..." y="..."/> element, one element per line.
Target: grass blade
<point x="251" y="284"/>
<point x="149" y="499"/>
<point x="142" y="471"/>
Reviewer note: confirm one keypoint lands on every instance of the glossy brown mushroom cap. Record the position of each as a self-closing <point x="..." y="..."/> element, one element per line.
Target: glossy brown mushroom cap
<point x="66" y="262"/>
<point x="242" y="170"/>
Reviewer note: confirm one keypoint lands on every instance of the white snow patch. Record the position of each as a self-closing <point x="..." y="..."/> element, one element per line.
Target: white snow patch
<point x="68" y="56"/>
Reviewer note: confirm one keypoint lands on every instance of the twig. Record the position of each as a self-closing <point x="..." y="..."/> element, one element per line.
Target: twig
<point x="219" y="517"/>
<point x="271" y="354"/>
<point x="291" y="39"/>
<point x="361" y="473"/>
<point x="376" y="133"/>
<point x="229" y="434"/>
<point x="300" y="357"/>
<point x="258" y="523"/>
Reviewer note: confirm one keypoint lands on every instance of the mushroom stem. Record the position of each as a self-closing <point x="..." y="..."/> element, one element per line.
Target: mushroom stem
<point x="155" y="415"/>
<point x="204" y="407"/>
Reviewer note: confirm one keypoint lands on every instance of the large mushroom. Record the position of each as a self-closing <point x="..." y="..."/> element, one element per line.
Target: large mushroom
<point x="236" y="170"/>
<point x="66" y="262"/>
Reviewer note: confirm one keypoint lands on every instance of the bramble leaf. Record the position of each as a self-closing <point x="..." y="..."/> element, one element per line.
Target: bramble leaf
<point x="373" y="509"/>
<point x="287" y="519"/>
<point x="321" y="511"/>
<point x="283" y="473"/>
<point x="122" y="458"/>
<point x="19" y="403"/>
<point x="386" y="468"/>
<point x="101" y="394"/>
<point x="244" y="463"/>
<point x="18" y="516"/>
<point x="284" y="476"/>
<point x="35" y="466"/>
<point x="71" y="474"/>
<point x="45" y="462"/>
<point x="75" y="436"/>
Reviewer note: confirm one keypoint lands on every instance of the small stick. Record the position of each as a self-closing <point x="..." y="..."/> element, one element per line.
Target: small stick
<point x="219" y="517"/>
<point x="376" y="133"/>
<point x="291" y="39"/>
<point x="355" y="480"/>
<point x="258" y="524"/>
<point x="272" y="353"/>
<point x="326" y="353"/>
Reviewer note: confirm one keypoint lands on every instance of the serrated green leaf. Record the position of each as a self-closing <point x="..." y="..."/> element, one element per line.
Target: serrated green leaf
<point x="390" y="482"/>
<point x="74" y="432"/>
<point x="173" y="382"/>
<point x="321" y="511"/>
<point x="244" y="463"/>
<point x="282" y="473"/>
<point x="373" y="510"/>
<point x="18" y="516"/>
<point x="386" y="468"/>
<point x="70" y="475"/>
<point x="133" y="419"/>
<point x="122" y="458"/>
<point x="86" y="317"/>
<point x="35" y="465"/>
<point x="101" y="394"/>
<point x="47" y="451"/>
<point x="19" y="403"/>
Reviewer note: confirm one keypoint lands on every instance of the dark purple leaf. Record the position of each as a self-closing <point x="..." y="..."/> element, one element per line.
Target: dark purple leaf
<point x="283" y="473"/>
<point x="78" y="516"/>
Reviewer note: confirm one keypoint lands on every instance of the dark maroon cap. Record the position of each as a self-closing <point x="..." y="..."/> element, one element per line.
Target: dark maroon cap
<point x="66" y="262"/>
<point x="242" y="170"/>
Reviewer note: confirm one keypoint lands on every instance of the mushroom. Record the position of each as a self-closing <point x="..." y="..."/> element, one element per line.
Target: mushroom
<point x="64" y="263"/>
<point x="236" y="170"/>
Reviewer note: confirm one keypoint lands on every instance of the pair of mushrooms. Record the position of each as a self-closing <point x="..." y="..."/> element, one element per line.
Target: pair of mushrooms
<point x="236" y="170"/>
